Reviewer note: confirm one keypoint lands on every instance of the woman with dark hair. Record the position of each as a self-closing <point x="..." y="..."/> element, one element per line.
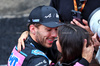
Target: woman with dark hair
<point x="71" y="40"/>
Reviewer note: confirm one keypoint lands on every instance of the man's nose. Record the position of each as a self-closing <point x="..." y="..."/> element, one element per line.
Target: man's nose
<point x="54" y="33"/>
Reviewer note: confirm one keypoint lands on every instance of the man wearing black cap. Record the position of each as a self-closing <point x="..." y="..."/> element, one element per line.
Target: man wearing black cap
<point x="39" y="47"/>
<point x="42" y="24"/>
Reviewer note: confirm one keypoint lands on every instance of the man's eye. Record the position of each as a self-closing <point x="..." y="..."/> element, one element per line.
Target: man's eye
<point x="49" y="30"/>
<point x="56" y="29"/>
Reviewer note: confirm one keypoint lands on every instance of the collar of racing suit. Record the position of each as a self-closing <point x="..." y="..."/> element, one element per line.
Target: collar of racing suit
<point x="37" y="45"/>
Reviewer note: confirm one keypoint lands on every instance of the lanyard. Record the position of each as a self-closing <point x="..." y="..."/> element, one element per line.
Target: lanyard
<point x="82" y="6"/>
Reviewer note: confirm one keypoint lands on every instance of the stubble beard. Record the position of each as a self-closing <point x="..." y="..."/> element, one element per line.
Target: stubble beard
<point x="40" y="39"/>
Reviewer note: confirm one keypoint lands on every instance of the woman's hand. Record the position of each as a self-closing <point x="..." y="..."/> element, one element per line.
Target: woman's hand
<point x="87" y="52"/>
<point x="21" y="40"/>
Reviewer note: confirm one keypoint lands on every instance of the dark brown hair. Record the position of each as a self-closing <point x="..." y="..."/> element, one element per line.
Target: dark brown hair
<point x="71" y="38"/>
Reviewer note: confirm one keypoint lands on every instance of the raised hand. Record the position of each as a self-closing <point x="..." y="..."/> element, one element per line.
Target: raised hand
<point x="87" y="52"/>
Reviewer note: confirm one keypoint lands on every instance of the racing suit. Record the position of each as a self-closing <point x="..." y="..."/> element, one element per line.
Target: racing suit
<point x="35" y="54"/>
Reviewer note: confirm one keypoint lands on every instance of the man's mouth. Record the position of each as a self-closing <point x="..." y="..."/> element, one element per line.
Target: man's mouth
<point x="50" y="40"/>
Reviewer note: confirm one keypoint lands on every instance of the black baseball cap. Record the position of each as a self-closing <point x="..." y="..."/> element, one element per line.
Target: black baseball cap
<point x="45" y="15"/>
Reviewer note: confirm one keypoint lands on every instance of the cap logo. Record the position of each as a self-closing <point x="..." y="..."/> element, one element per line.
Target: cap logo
<point x="57" y="16"/>
<point x="48" y="16"/>
<point x="35" y="20"/>
<point x="54" y="15"/>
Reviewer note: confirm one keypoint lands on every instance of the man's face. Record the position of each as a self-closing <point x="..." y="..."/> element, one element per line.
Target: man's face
<point x="45" y="35"/>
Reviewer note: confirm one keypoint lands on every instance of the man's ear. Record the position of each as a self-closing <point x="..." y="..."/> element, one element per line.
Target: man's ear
<point x="32" y="29"/>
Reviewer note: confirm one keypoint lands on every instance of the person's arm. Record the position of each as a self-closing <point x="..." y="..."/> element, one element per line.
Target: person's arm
<point x="85" y="26"/>
<point x="21" y="40"/>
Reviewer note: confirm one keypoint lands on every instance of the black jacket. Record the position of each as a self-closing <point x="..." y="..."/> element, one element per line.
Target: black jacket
<point x="50" y="54"/>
